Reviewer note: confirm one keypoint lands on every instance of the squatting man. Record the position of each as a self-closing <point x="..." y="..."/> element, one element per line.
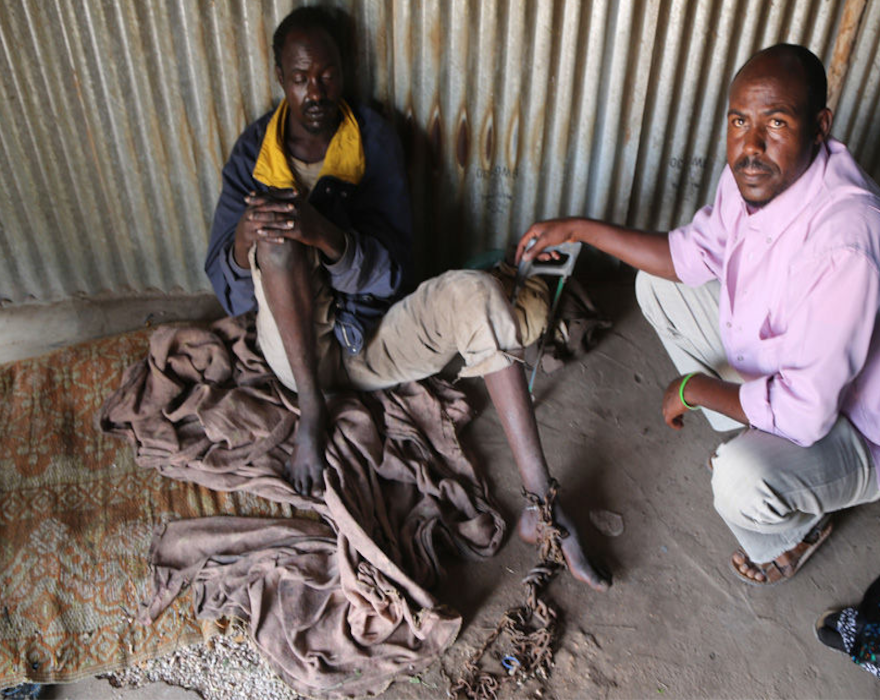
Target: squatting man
<point x="313" y="229"/>
<point x="767" y="303"/>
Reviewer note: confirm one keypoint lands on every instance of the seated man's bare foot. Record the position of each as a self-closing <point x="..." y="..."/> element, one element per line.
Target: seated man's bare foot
<point x="305" y="468"/>
<point x="575" y="559"/>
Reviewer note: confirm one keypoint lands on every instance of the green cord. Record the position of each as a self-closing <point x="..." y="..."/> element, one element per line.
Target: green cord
<point x="681" y="392"/>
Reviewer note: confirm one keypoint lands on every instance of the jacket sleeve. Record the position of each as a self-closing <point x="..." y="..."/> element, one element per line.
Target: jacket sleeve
<point x="377" y="256"/>
<point x="233" y="284"/>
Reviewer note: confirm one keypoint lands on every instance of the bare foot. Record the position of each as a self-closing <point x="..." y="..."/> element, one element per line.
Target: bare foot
<point x="305" y="468"/>
<point x="577" y="562"/>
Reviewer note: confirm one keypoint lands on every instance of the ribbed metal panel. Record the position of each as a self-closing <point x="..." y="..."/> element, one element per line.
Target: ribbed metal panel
<point x="118" y="116"/>
<point x="857" y="121"/>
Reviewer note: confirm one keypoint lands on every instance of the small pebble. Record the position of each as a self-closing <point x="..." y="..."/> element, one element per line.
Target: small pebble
<point x="607" y="522"/>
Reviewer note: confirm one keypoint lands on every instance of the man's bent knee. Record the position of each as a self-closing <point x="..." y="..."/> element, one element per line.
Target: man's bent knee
<point x="646" y="287"/>
<point x="743" y="485"/>
<point x="467" y="311"/>
<point x="280" y="257"/>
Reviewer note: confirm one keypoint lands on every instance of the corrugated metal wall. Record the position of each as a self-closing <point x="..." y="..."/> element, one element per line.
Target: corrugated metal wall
<point x="117" y="117"/>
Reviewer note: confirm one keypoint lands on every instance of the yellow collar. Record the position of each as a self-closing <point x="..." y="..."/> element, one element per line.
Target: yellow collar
<point x="344" y="158"/>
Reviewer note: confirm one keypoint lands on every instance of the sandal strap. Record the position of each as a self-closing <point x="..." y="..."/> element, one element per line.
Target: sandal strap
<point x="775" y="571"/>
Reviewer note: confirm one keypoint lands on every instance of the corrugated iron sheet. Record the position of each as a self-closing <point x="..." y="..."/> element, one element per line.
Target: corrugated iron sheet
<point x="117" y="118"/>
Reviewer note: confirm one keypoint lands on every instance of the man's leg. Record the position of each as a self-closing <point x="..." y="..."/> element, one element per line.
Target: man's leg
<point x="686" y="320"/>
<point x="771" y="492"/>
<point x="510" y="396"/>
<point x="465" y="312"/>
<point x="286" y="285"/>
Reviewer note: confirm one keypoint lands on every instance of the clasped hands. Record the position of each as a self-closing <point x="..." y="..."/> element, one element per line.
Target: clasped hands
<point x="280" y="215"/>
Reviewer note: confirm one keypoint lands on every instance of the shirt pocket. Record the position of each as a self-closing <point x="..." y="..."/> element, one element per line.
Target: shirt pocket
<point x="769" y="348"/>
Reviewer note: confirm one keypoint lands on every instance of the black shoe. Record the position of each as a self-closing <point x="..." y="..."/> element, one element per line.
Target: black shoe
<point x="826" y="631"/>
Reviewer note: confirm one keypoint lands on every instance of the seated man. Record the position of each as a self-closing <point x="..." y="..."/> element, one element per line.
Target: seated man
<point x="775" y="323"/>
<point x="313" y="228"/>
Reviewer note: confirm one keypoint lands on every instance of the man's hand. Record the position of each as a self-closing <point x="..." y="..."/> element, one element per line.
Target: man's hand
<point x="266" y="215"/>
<point x="280" y="215"/>
<point x="706" y="392"/>
<point x="673" y="408"/>
<point x="545" y="234"/>
<point x="641" y="249"/>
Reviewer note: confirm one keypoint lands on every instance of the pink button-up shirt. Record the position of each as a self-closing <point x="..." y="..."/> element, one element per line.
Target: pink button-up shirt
<point x="800" y="296"/>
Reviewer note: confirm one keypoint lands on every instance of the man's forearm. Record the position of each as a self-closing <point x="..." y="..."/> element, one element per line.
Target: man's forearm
<point x="645" y="251"/>
<point x="641" y="249"/>
<point x="716" y="395"/>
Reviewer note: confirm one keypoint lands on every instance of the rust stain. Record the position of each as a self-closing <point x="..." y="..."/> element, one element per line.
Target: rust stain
<point x="853" y="13"/>
<point x="435" y="37"/>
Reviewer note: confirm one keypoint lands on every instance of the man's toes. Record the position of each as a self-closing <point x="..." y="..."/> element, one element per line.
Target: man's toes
<point x="747" y="568"/>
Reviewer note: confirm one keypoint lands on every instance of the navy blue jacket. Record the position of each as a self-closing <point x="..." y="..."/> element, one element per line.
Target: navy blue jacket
<point x="367" y="197"/>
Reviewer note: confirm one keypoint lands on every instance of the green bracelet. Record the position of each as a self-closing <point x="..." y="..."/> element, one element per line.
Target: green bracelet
<point x="681" y="392"/>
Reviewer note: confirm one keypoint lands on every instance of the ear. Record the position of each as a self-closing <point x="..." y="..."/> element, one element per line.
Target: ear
<point x="823" y="125"/>
<point x="279" y="76"/>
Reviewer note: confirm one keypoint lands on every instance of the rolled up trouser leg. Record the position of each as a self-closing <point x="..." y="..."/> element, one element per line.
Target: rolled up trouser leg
<point x="686" y="320"/>
<point x="771" y="492"/>
<point x="459" y="312"/>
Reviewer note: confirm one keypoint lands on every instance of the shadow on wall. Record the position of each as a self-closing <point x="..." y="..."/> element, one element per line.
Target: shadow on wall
<point x="440" y="227"/>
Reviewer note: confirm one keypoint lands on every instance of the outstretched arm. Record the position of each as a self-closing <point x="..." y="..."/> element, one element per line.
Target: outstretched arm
<point x="641" y="249"/>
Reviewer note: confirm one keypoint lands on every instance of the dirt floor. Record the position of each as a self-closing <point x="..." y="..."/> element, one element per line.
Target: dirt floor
<point x="675" y="623"/>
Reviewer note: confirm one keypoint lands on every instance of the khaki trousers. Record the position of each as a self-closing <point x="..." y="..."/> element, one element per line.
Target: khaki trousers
<point x="462" y="312"/>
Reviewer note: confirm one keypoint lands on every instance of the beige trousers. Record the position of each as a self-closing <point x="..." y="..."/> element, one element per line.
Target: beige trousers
<point x="462" y="312"/>
<point x="769" y="491"/>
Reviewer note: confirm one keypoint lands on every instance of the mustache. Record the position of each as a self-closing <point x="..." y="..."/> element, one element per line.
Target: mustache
<point x="310" y="105"/>
<point x="751" y="163"/>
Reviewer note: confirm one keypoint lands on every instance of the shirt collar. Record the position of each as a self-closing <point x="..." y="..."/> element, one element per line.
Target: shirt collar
<point x="344" y="158"/>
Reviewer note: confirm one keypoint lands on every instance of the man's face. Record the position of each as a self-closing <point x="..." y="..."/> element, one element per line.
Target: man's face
<point x="311" y="76"/>
<point x="771" y="138"/>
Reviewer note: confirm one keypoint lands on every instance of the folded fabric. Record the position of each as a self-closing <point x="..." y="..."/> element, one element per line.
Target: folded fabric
<point x="338" y="605"/>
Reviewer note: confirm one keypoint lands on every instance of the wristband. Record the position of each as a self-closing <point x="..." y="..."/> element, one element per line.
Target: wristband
<point x="681" y="392"/>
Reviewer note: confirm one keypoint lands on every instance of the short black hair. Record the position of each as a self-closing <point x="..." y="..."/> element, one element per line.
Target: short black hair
<point x="307" y="19"/>
<point x="814" y="72"/>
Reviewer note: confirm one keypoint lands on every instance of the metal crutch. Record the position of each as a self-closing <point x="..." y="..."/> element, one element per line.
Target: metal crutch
<point x="561" y="268"/>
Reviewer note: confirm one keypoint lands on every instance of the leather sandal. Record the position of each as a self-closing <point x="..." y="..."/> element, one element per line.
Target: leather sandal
<point x="787" y="564"/>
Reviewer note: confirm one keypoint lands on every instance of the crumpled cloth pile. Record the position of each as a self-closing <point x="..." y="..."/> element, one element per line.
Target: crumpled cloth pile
<point x="336" y="598"/>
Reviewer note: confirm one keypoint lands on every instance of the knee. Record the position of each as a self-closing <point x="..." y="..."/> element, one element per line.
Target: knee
<point x="476" y="310"/>
<point x="474" y="291"/>
<point x="647" y="294"/>
<point x="742" y="486"/>
<point x="274" y="256"/>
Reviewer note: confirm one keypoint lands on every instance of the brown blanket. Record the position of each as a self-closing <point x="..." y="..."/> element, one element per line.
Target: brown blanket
<point x="338" y="604"/>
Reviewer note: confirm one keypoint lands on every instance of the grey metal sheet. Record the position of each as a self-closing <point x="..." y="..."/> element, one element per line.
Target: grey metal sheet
<point x="117" y="118"/>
